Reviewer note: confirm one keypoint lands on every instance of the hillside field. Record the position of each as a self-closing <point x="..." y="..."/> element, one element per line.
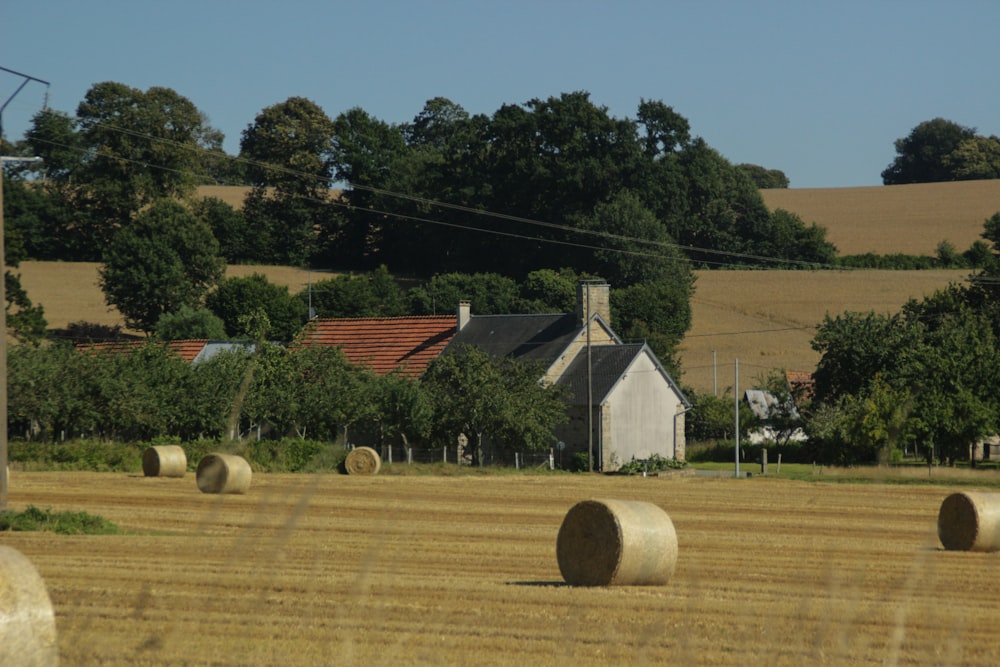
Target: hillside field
<point x="437" y="570"/>
<point x="908" y="219"/>
<point x="763" y="318"/>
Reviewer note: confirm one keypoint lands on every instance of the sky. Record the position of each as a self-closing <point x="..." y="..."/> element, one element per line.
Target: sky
<point x="819" y="90"/>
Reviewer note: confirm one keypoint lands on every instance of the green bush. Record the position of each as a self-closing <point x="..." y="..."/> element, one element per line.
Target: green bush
<point x="294" y="455"/>
<point x="93" y="455"/>
<point x="63" y="523"/>
<point x="722" y="451"/>
<point x="654" y="463"/>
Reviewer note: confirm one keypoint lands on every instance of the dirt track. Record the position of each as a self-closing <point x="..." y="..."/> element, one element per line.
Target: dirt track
<point x="309" y="570"/>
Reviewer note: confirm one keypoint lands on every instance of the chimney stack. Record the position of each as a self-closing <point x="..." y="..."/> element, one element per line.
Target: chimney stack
<point x="464" y="314"/>
<point x="593" y="298"/>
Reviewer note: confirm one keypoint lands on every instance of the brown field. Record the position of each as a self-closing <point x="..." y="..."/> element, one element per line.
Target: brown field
<point x="69" y="291"/>
<point x="766" y="319"/>
<point x="763" y="318"/>
<point x="389" y="570"/>
<point x="908" y="219"/>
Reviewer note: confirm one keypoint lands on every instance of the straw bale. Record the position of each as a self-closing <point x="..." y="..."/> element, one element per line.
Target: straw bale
<point x="363" y="461"/>
<point x="27" y="624"/>
<point x="223" y="473"/>
<point x="970" y="521"/>
<point x="609" y="542"/>
<point x="164" y="461"/>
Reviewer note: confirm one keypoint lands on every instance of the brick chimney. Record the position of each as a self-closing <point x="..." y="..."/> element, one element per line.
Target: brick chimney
<point x="464" y="314"/>
<point x="593" y="298"/>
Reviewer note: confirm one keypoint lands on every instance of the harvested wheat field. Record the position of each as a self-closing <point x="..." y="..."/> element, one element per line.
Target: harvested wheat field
<point x="766" y="319"/>
<point x="70" y="291"/>
<point x="908" y="219"/>
<point x="390" y="570"/>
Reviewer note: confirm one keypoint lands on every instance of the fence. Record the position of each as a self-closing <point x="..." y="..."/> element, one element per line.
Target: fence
<point x="409" y="455"/>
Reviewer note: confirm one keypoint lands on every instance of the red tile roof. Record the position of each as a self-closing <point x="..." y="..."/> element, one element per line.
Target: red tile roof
<point x="384" y="344"/>
<point x="187" y="349"/>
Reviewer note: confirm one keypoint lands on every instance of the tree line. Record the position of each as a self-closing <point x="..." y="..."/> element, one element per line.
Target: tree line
<point x="511" y="208"/>
<point x="301" y="392"/>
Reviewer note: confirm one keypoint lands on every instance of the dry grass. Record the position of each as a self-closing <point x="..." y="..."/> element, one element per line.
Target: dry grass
<point x="69" y="291"/>
<point x="766" y="319"/>
<point x="385" y="570"/>
<point x="908" y="219"/>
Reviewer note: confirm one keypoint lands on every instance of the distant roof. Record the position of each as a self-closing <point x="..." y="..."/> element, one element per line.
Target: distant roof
<point x="762" y="403"/>
<point x="523" y="337"/>
<point x="384" y="344"/>
<point x="192" y="350"/>
<point x="187" y="349"/>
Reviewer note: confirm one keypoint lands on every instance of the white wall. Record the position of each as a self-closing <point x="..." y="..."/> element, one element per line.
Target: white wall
<point x="639" y="416"/>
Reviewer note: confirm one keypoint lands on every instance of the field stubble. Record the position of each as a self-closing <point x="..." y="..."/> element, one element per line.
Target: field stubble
<point x="318" y="569"/>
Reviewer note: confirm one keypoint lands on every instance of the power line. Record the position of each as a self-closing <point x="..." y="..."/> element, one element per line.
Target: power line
<point x="460" y="208"/>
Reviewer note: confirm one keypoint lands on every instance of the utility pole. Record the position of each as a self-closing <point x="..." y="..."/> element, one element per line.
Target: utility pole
<point x="736" y="420"/>
<point x="3" y="341"/>
<point x="3" y="262"/>
<point x="27" y="78"/>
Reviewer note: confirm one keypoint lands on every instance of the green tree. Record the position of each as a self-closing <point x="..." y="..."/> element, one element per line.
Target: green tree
<point x="658" y="313"/>
<point x="488" y="293"/>
<point x="855" y="347"/>
<point x="921" y="157"/>
<point x="229" y="227"/>
<point x="190" y="323"/>
<point x="631" y="245"/>
<point x="975" y="158"/>
<point x="764" y="178"/>
<point x="25" y="320"/>
<point x="288" y="151"/>
<point x="375" y="294"/>
<point x="237" y="298"/>
<point x="497" y="399"/>
<point x="365" y="150"/>
<point x="140" y="147"/>
<point x="165" y="260"/>
<point x="549" y="291"/>
<point x="401" y="408"/>
<point x="785" y="235"/>
<point x="306" y="391"/>
<point x="713" y="417"/>
<point x="783" y="418"/>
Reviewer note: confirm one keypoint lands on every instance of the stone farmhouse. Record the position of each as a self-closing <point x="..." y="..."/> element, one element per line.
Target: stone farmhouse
<point x="623" y="404"/>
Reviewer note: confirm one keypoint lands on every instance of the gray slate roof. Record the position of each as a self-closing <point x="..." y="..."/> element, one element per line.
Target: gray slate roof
<point x="607" y="364"/>
<point x="523" y="337"/>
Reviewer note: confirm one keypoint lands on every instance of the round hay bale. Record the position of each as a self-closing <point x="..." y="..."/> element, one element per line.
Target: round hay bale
<point x="970" y="521"/>
<point x="224" y="473"/>
<point x="608" y="542"/>
<point x="27" y="624"/>
<point x="363" y="461"/>
<point x="164" y="461"/>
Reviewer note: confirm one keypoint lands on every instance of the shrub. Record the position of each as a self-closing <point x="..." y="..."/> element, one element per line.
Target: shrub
<point x="654" y="463"/>
<point x="63" y="523"/>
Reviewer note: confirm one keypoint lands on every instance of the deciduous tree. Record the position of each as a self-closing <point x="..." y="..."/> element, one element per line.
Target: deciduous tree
<point x="165" y="260"/>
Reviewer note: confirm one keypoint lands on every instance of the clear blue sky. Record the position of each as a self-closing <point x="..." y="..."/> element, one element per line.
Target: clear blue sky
<point x="819" y="90"/>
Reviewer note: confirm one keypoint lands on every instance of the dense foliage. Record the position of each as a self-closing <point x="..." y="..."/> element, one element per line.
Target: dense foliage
<point x="917" y="382"/>
<point x="309" y="394"/>
<point x="942" y="150"/>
